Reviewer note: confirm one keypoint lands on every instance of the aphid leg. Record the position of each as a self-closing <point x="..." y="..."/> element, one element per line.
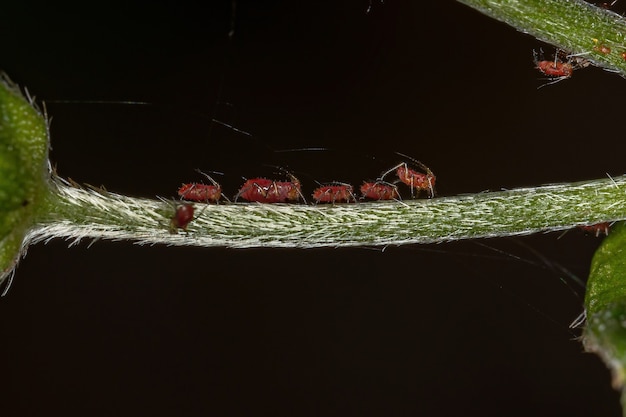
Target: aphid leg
<point x="389" y="171"/>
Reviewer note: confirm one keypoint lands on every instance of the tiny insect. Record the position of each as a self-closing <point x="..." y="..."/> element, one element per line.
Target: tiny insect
<point x="561" y="67"/>
<point x="553" y="68"/>
<point x="334" y="193"/>
<point x="201" y="192"/>
<point x="263" y="190"/>
<point x="379" y="190"/>
<point x="597" y="229"/>
<point x="182" y="217"/>
<point x="417" y="181"/>
<point x="603" y="49"/>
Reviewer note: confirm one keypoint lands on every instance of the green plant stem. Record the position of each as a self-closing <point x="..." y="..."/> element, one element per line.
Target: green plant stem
<point x="572" y="25"/>
<point x="76" y="213"/>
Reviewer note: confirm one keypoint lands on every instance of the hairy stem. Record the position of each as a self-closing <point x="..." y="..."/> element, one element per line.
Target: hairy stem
<point x="576" y="26"/>
<point x="75" y="213"/>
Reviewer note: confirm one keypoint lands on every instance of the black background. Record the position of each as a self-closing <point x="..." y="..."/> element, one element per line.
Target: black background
<point x="451" y="329"/>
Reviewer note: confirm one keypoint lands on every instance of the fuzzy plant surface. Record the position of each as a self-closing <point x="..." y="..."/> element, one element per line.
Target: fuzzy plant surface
<point x="36" y="205"/>
<point x="39" y="206"/>
<point x="598" y="35"/>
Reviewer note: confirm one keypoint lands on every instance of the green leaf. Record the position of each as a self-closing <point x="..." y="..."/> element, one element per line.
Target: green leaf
<point x="24" y="171"/>
<point x="605" y="302"/>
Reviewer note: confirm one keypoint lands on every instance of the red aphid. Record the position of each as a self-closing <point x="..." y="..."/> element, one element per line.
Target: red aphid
<point x="200" y="192"/>
<point x="603" y="49"/>
<point x="597" y="229"/>
<point x="417" y="181"/>
<point x="334" y="193"/>
<point x="555" y="68"/>
<point x="263" y="190"/>
<point x="182" y="217"/>
<point x="379" y="190"/>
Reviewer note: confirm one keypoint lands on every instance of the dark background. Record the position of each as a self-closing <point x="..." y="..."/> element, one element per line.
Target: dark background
<point x="451" y="329"/>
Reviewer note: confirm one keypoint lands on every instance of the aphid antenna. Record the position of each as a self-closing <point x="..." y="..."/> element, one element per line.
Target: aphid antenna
<point x="416" y="162"/>
<point x="282" y="170"/>
<point x="208" y="176"/>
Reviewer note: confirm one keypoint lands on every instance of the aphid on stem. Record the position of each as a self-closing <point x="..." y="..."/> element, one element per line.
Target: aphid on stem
<point x="561" y="67"/>
<point x="201" y="192"/>
<point x="379" y="190"/>
<point x="182" y="217"/>
<point x="417" y="181"/>
<point x="263" y="190"/>
<point x="597" y="229"/>
<point x="337" y="192"/>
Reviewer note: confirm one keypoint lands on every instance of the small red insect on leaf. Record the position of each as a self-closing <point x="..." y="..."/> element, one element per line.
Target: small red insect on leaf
<point x="263" y="190"/>
<point x="561" y="67"/>
<point x="603" y="49"/>
<point x="334" y="193"/>
<point x="555" y="68"/>
<point x="597" y="229"/>
<point x="182" y="217"/>
<point x="379" y="190"/>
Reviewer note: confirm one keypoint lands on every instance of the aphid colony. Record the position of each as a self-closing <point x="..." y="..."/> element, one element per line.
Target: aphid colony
<point x="263" y="190"/>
